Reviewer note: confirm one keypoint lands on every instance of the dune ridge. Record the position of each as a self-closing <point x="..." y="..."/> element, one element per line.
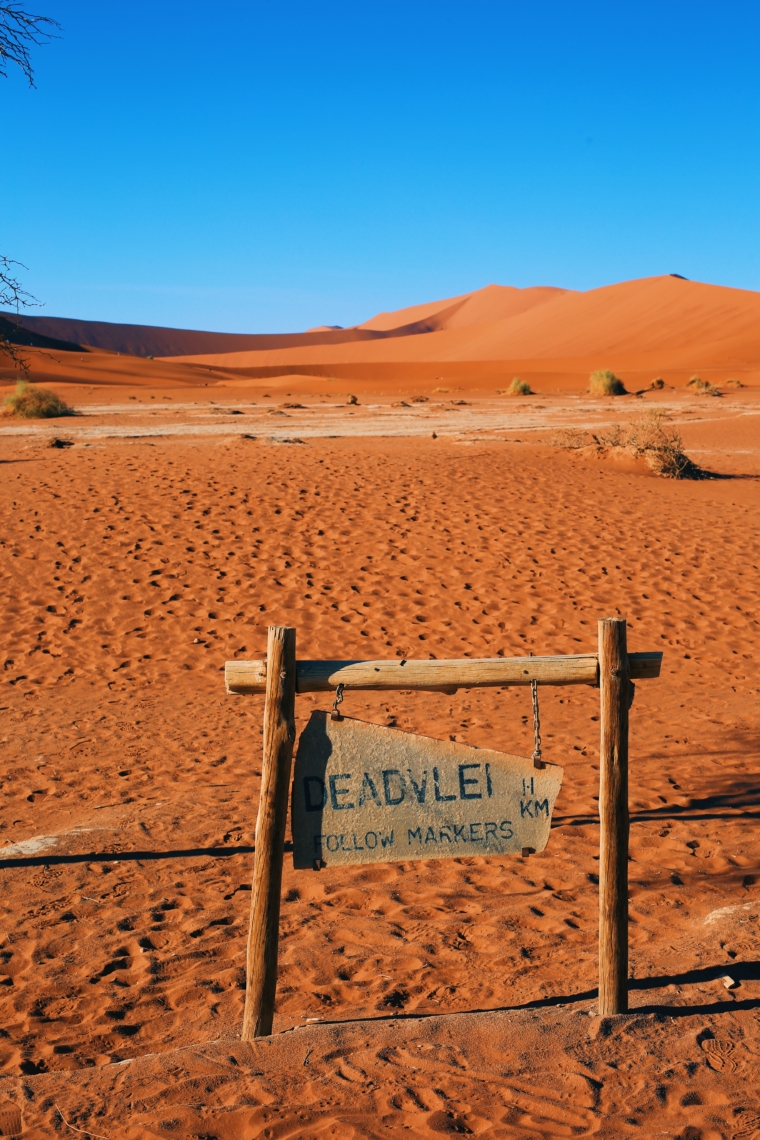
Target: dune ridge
<point x="492" y="303"/>
<point x="664" y="322"/>
<point x="657" y="326"/>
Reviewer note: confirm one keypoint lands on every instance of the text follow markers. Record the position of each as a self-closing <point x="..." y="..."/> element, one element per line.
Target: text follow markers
<point x="363" y="793"/>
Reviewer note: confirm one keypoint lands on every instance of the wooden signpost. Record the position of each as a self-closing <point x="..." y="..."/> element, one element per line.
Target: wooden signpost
<point x="365" y="793"/>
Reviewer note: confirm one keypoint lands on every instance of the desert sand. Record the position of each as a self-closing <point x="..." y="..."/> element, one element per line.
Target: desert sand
<point x="192" y="509"/>
<point x="662" y="323"/>
<point x="653" y="327"/>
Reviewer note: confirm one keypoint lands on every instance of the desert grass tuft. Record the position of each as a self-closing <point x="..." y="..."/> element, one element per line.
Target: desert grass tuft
<point x="734" y="384"/>
<point x="29" y="402"/>
<point x="606" y="383"/>
<point x="519" y="387"/>
<point x="702" y="387"/>
<point x="657" y="385"/>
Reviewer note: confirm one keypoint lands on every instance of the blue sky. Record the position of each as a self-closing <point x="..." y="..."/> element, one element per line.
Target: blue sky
<point x="266" y="167"/>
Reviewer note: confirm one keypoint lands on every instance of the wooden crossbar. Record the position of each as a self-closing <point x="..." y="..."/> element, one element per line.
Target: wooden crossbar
<point x="248" y="677"/>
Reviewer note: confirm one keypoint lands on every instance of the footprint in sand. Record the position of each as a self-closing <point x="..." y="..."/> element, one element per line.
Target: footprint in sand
<point x="720" y="1055"/>
<point x="750" y="1127"/>
<point x="10" y="1119"/>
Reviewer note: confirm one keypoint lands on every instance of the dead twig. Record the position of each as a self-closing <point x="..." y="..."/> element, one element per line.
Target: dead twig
<point x="19" y="31"/>
<point x="74" y="1128"/>
<point x="648" y="438"/>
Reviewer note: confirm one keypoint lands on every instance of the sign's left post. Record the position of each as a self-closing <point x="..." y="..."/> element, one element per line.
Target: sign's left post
<point x="279" y="738"/>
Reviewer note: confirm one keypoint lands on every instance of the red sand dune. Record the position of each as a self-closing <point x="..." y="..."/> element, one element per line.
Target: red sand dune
<point x="148" y="340"/>
<point x="494" y="303"/>
<point x="654" y="324"/>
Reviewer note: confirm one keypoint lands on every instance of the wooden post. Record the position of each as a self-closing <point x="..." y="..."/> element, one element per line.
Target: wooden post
<point x="279" y="738"/>
<point x="615" y="692"/>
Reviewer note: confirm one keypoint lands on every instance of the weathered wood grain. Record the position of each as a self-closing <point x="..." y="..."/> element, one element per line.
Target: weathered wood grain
<point x="615" y="686"/>
<point x="245" y="677"/>
<point x="279" y="738"/>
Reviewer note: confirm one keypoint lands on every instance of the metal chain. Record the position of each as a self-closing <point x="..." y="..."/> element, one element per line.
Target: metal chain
<point x="537" y="761"/>
<point x="335" y="715"/>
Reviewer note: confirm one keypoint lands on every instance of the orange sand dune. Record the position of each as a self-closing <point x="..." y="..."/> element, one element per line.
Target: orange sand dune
<point x="484" y="306"/>
<point x="658" y="326"/>
<point x="654" y="324"/>
<point x="72" y="335"/>
<point x="107" y="369"/>
<point x="62" y="334"/>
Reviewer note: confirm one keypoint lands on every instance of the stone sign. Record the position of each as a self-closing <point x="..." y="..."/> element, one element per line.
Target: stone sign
<point x="363" y="793"/>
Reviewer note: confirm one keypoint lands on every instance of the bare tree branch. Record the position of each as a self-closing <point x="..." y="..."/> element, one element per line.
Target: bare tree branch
<point x="19" y="31"/>
<point x="12" y="296"/>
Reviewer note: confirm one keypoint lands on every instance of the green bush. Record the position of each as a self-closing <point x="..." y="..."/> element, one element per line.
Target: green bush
<point x="606" y="383"/>
<point x="29" y="402"/>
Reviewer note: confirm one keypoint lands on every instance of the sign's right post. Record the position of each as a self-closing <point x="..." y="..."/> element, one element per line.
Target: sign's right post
<point x="616" y="691"/>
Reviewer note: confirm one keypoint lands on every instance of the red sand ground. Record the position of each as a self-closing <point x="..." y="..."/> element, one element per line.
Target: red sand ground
<point x="135" y="564"/>
<point x="134" y="567"/>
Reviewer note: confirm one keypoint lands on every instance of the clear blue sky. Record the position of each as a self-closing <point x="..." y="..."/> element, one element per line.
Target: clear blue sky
<point x="256" y="167"/>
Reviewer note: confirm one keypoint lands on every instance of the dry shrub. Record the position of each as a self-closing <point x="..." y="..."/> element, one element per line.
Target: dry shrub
<point x="734" y="384"/>
<point x="661" y="446"/>
<point x="519" y="387"/>
<point x="606" y="383"/>
<point x="613" y="436"/>
<point x="657" y="385"/>
<point x="29" y="402"/>
<point x="702" y="387"/>
<point x="570" y="439"/>
<point x="648" y="438"/>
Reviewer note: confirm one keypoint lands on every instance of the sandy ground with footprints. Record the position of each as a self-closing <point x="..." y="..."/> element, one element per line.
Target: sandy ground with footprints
<point x="163" y="542"/>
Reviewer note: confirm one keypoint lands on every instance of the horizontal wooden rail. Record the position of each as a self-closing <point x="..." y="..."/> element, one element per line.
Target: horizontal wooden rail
<point x="244" y="677"/>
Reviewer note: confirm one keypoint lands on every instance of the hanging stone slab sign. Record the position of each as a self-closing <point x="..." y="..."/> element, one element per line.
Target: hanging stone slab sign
<point x="363" y="793"/>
